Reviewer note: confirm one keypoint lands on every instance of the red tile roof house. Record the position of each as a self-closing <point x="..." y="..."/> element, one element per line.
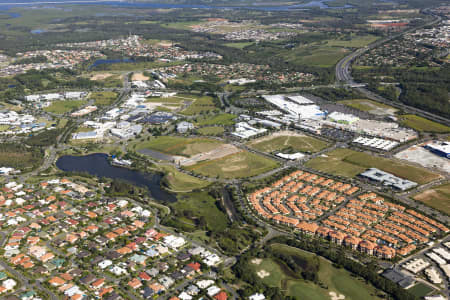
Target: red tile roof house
<point x="221" y="296"/>
<point x="135" y="283"/>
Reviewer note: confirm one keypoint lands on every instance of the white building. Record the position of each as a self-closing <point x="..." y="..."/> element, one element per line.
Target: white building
<point x="244" y="131"/>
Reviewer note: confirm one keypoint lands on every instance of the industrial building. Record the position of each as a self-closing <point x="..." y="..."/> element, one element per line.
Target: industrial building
<point x="388" y="179"/>
<point x="439" y="148"/>
<point x="245" y="131"/>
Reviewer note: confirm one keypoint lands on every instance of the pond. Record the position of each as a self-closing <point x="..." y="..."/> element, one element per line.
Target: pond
<point x="98" y="165"/>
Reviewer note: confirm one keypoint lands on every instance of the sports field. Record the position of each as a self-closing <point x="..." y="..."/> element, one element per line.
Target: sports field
<point x="64" y="106"/>
<point x="420" y="290"/>
<point x="437" y="197"/>
<point x="422" y="124"/>
<point x="276" y="274"/>
<point x="288" y="142"/>
<point x="179" y="146"/>
<point x="237" y="165"/>
<point x="349" y="163"/>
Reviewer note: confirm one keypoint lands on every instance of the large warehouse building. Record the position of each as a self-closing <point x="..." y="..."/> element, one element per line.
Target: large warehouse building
<point x="439" y="148"/>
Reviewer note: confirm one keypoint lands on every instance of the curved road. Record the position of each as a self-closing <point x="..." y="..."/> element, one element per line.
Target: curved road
<point x="343" y="75"/>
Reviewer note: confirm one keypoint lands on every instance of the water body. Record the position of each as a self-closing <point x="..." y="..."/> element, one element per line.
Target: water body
<point x="38" y="31"/>
<point x="7" y="4"/>
<point x="98" y="165"/>
<point x="109" y="61"/>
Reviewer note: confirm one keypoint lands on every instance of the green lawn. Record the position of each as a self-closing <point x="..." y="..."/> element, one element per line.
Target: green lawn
<point x="349" y="163"/>
<point x="204" y="104"/>
<point x="172" y="145"/>
<point x="103" y="98"/>
<point x="289" y="143"/>
<point x="420" y="290"/>
<point x="211" y="130"/>
<point x="316" y="55"/>
<point x="422" y="124"/>
<point x="437" y="197"/>
<point x="237" y="165"/>
<point x="337" y="280"/>
<point x="221" y="119"/>
<point x="64" y="106"/>
<point x="201" y="205"/>
<point x="179" y="182"/>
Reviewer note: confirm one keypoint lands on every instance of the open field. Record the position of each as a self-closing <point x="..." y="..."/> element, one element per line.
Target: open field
<point x="64" y="106"/>
<point x="238" y="45"/>
<point x="179" y="146"/>
<point x="437" y="197"/>
<point x="216" y="153"/>
<point x="422" y="124"/>
<point x="203" y="104"/>
<point x="221" y="119"/>
<point x="237" y="165"/>
<point x="285" y="140"/>
<point x="354" y="42"/>
<point x="200" y="205"/>
<point x="211" y="130"/>
<point x="139" y="77"/>
<point x="103" y="98"/>
<point x="340" y="281"/>
<point x="316" y="55"/>
<point x="179" y="182"/>
<point x="370" y="106"/>
<point x="349" y="163"/>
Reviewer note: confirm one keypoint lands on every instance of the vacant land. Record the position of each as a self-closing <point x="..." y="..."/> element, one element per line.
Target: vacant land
<point x="316" y="55"/>
<point x="238" y="45"/>
<point x="103" y="98"/>
<point x="422" y="124"/>
<point x="179" y="182"/>
<point x="211" y="130"/>
<point x="179" y="146"/>
<point x="370" y="106"/>
<point x="64" y="106"/>
<point x="193" y="206"/>
<point x="288" y="141"/>
<point x="204" y="104"/>
<point x="237" y="165"/>
<point x="139" y="77"/>
<point x="349" y="163"/>
<point x="437" y="197"/>
<point x="353" y="42"/>
<point x="221" y="119"/>
<point x="276" y="274"/>
<point x="19" y="157"/>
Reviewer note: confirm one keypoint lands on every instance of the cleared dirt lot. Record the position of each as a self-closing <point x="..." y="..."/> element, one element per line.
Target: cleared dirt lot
<point x="423" y="157"/>
<point x="217" y="153"/>
<point x="139" y="77"/>
<point x="101" y="76"/>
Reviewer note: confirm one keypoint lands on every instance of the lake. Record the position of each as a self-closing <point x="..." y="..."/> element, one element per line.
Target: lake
<point x="99" y="62"/>
<point x="98" y="165"/>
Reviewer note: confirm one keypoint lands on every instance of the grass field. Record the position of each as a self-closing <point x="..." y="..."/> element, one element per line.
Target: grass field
<point x="64" y="106"/>
<point x="337" y="280"/>
<point x="368" y="106"/>
<point x="221" y="119"/>
<point x="239" y="45"/>
<point x="422" y="124"/>
<point x="179" y="182"/>
<point x="420" y="290"/>
<point x="316" y="55"/>
<point x="437" y="197"/>
<point x="176" y="100"/>
<point x="204" y="104"/>
<point x="349" y="163"/>
<point x="103" y="98"/>
<point x="354" y="42"/>
<point x="179" y="146"/>
<point x="291" y="143"/>
<point x="211" y="130"/>
<point x="237" y="165"/>
<point x="202" y="205"/>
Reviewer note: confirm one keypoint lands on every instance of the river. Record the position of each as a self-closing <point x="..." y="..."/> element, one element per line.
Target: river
<point x="7" y="4"/>
<point x="98" y="165"/>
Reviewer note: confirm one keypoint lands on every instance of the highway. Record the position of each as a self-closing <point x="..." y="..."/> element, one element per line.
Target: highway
<point x="343" y="75"/>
